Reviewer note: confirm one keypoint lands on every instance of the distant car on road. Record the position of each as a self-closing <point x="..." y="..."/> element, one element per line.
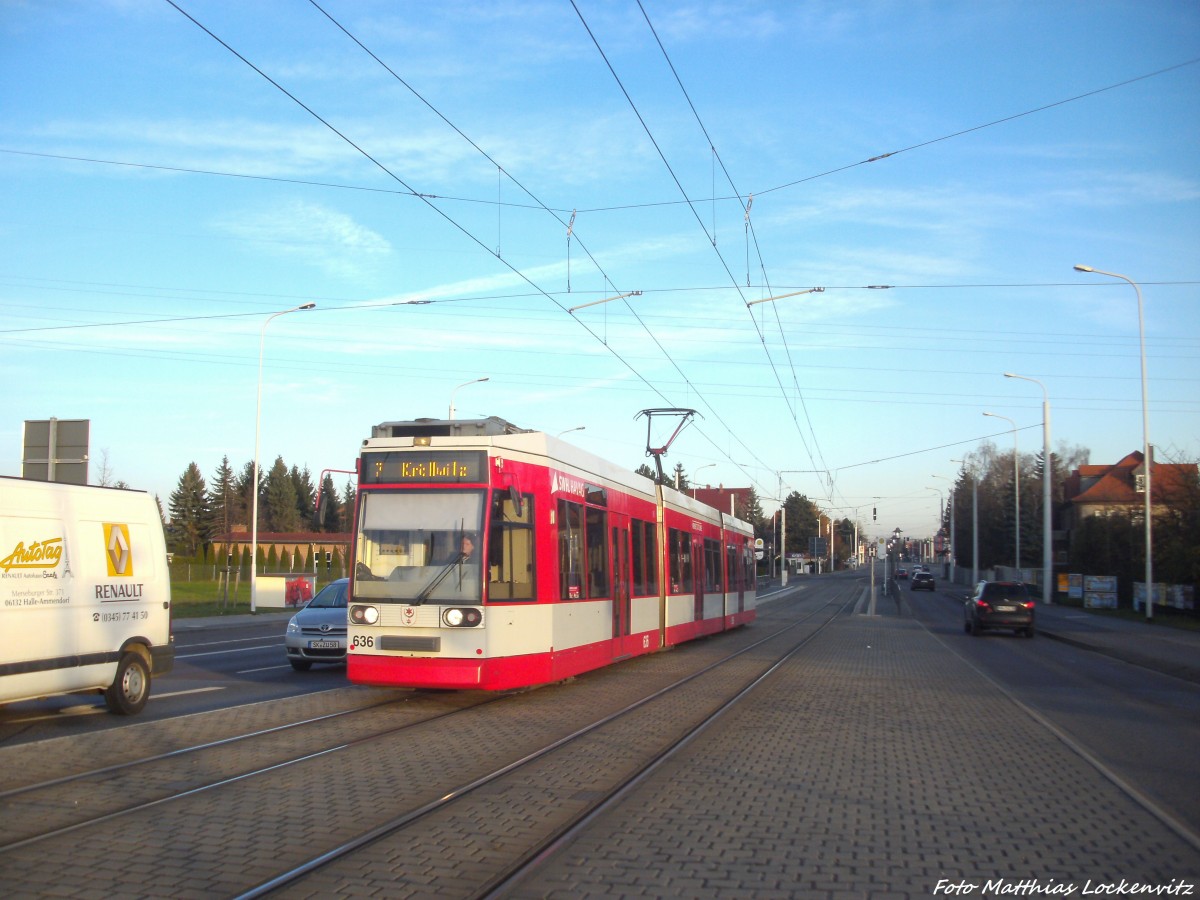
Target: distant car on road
<point x="317" y="633"/>
<point x="922" y="581"/>
<point x="999" y="604"/>
<point x="901" y="574"/>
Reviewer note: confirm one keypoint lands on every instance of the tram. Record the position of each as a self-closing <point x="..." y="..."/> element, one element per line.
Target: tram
<point x="492" y="557"/>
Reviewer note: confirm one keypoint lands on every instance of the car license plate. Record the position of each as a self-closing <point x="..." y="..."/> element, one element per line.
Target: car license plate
<point x="323" y="645"/>
<point x="1006" y="609"/>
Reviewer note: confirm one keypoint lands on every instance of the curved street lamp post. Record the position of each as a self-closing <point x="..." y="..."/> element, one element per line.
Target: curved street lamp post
<point x="952" y="559"/>
<point x="1016" y="488"/>
<point x="453" y="392"/>
<point x="974" y="520"/>
<point x="262" y="337"/>
<point x="1047" y="477"/>
<point x="1146" y="462"/>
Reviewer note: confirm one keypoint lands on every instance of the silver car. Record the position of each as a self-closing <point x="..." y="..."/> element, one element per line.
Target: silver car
<point x="318" y="632"/>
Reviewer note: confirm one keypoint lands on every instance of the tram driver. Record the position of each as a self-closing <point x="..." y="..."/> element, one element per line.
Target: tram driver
<point x="465" y="552"/>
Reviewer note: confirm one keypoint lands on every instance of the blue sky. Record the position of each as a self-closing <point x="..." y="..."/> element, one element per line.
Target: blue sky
<point x="163" y="198"/>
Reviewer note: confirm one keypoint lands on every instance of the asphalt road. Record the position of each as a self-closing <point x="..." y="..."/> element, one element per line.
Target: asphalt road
<point x="216" y="666"/>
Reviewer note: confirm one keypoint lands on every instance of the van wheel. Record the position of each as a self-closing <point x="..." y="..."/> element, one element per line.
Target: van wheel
<point x="131" y="688"/>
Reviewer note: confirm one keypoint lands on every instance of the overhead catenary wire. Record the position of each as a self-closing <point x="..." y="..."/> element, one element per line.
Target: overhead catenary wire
<point x="655" y="324"/>
<point x="463" y="230"/>
<point x="746" y="206"/>
<point x="597" y="209"/>
<point x="569" y="226"/>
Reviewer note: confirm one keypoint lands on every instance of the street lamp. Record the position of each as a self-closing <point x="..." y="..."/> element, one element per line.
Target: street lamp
<point x="262" y="337"/>
<point x="941" y="506"/>
<point x="694" y="482"/>
<point x="1016" y="488"/>
<point x="569" y="430"/>
<point x="1047" y="472"/>
<point x="974" y="520"/>
<point x="953" y="561"/>
<point x="1146" y="460"/>
<point x="452" y="393"/>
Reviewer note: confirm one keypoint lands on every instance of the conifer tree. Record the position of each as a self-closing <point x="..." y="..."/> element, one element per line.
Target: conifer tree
<point x="278" y="504"/>
<point x="189" y="512"/>
<point x="221" y="498"/>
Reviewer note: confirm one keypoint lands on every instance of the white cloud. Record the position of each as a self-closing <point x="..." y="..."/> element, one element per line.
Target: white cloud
<point x="313" y="234"/>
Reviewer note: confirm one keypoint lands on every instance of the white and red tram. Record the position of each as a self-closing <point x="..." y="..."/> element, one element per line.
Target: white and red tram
<point x="492" y="557"/>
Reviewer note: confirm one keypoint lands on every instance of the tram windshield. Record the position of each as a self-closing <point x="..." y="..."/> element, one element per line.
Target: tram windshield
<point x="419" y="546"/>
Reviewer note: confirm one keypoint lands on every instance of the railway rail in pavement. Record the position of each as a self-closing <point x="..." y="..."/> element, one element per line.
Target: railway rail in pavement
<point x="872" y="768"/>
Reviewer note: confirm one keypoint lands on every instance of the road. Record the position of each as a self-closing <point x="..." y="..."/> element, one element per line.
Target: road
<point x="897" y="735"/>
<point x="216" y="666"/>
<point x="893" y="751"/>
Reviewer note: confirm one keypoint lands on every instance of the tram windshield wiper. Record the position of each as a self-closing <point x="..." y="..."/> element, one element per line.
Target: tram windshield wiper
<point x="438" y="579"/>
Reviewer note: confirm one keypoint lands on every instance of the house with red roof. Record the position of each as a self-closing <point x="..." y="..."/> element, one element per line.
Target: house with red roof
<point x="1121" y="488"/>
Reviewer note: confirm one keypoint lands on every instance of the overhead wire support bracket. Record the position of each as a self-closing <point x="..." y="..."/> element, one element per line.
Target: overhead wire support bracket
<point x="605" y="300"/>
<point x="657" y="452"/>
<point x="815" y="290"/>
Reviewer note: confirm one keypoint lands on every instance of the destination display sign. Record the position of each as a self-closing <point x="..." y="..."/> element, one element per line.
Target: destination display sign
<point x="424" y="467"/>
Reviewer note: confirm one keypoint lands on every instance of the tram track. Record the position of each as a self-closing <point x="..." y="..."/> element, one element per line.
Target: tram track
<point x="134" y="780"/>
<point x="324" y="872"/>
<point x="117" y="802"/>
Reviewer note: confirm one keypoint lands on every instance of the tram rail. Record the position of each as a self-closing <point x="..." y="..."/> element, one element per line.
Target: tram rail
<point x="175" y="795"/>
<point x="512" y="871"/>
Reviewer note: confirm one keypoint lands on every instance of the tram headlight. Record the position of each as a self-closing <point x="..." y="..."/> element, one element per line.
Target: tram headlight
<point x="364" y="615"/>
<point x="465" y="617"/>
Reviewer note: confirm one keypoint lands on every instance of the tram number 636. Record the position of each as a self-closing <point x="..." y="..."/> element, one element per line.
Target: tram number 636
<point x="364" y="640"/>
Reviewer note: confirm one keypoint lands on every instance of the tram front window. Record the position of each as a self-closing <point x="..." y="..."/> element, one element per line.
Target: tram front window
<point x="420" y="547"/>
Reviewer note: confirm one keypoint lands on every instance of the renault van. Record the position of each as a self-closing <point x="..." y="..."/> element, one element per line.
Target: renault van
<point x="85" y="595"/>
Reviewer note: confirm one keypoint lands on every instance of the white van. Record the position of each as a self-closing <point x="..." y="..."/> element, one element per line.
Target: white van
<point x="85" y="595"/>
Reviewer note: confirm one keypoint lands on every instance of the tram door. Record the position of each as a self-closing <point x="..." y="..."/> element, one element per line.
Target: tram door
<point x="620" y="582"/>
<point x="734" y="576"/>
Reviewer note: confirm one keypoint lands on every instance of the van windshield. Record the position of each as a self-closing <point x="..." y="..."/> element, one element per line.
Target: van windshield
<point x="419" y="546"/>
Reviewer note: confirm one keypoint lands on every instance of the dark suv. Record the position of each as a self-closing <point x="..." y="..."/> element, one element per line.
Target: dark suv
<point x="999" y="604"/>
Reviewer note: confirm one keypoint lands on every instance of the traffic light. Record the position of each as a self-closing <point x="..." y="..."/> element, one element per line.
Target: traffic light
<point x="873" y="516"/>
<point x="328" y="560"/>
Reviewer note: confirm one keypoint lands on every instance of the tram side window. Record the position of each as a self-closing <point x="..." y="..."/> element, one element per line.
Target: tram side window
<point x="510" y="549"/>
<point x="570" y="551"/>
<point x="645" y="558"/>
<point x="732" y="567"/>
<point x="679" y="546"/>
<point x="712" y="565"/>
<point x="597" y="553"/>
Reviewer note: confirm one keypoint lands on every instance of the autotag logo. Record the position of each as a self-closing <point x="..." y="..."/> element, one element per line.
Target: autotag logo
<point x="44" y="554"/>
<point x="118" y="550"/>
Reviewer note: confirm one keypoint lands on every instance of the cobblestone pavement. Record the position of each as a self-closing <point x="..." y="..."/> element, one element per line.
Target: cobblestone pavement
<point x="877" y="765"/>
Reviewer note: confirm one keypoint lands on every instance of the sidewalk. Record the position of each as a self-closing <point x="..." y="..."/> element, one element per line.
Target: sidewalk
<point x="1173" y="651"/>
